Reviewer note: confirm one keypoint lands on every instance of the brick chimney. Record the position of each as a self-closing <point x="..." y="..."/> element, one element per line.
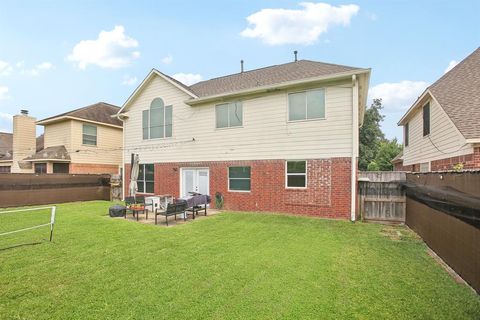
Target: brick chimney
<point x="24" y="141"/>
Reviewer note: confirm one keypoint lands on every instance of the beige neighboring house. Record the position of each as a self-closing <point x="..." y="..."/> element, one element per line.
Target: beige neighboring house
<point x="442" y="128"/>
<point x="83" y="141"/>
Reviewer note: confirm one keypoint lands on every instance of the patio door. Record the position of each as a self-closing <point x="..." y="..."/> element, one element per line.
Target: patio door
<point x="194" y="180"/>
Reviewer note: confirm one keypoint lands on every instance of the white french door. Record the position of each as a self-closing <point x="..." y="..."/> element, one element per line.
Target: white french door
<point x="194" y="180"/>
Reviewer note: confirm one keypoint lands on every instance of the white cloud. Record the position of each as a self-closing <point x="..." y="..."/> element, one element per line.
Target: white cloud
<point x="129" y="81"/>
<point x="112" y="49"/>
<point x="44" y="66"/>
<point x="3" y="96"/>
<point x="188" y="78"/>
<point x="6" y="116"/>
<point x="5" y="68"/>
<point x="451" y="65"/>
<point x="300" y="26"/>
<point x="168" y="59"/>
<point x="397" y="96"/>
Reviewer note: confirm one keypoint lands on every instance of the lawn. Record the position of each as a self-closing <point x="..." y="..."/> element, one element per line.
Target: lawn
<point x="231" y="265"/>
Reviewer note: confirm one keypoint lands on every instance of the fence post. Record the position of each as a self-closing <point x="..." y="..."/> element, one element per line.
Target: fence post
<point x="52" y="221"/>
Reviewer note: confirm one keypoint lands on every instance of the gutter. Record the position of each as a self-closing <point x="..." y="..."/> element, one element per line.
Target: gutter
<point x="274" y="87"/>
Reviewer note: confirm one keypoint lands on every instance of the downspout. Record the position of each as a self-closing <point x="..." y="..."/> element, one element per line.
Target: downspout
<point x="355" y="105"/>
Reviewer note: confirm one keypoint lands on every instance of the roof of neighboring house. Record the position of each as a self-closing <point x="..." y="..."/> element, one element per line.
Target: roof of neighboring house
<point x="458" y="93"/>
<point x="50" y="153"/>
<point x="291" y="71"/>
<point x="398" y="158"/>
<point x="98" y="112"/>
<point x="6" y="145"/>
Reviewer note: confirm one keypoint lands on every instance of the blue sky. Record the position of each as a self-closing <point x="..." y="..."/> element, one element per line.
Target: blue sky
<point x="54" y="58"/>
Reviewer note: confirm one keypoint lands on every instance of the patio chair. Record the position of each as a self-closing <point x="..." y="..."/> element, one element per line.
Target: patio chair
<point x="140" y="200"/>
<point x="172" y="210"/>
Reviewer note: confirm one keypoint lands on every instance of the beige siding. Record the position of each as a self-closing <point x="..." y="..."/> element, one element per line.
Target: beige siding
<point x="58" y="134"/>
<point x="444" y="140"/>
<point x="266" y="133"/>
<point x="108" y="148"/>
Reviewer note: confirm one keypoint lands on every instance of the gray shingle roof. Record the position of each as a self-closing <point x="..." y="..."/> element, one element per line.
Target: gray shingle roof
<point x="458" y="92"/>
<point x="56" y="152"/>
<point x="6" y="142"/>
<point x="302" y="69"/>
<point x="99" y="112"/>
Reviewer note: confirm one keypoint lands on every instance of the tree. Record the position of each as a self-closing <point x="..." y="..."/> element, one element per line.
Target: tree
<point x="370" y="134"/>
<point x="387" y="150"/>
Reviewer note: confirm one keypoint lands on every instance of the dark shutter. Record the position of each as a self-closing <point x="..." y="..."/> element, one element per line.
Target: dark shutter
<point x="426" y="119"/>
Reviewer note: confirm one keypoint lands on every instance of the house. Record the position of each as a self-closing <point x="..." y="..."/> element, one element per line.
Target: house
<point x="442" y="128"/>
<point x="282" y="138"/>
<point x="6" y="150"/>
<point x="87" y="140"/>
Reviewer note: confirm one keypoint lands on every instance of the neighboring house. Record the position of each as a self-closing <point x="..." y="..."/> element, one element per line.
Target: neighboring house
<point x="282" y="138"/>
<point x="6" y="150"/>
<point x="86" y="140"/>
<point x="442" y="128"/>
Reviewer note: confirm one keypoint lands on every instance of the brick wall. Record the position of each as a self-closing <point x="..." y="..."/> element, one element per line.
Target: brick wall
<point x="327" y="194"/>
<point x="469" y="161"/>
<point x="398" y="166"/>
<point x="91" y="168"/>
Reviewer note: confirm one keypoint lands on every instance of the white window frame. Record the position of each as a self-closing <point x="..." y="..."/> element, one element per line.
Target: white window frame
<point x="428" y="167"/>
<point x="301" y="91"/>
<point x="164" y="120"/>
<point x="296" y="174"/>
<point x="228" y="127"/>
<point x="228" y="179"/>
<point x="83" y="134"/>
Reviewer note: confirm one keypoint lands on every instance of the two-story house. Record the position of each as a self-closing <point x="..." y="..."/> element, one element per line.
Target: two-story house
<point x="442" y="128"/>
<point x="87" y="140"/>
<point x="283" y="138"/>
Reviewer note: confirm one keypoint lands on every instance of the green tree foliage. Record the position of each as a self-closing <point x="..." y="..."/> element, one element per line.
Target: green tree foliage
<point x="387" y="150"/>
<point x="370" y="134"/>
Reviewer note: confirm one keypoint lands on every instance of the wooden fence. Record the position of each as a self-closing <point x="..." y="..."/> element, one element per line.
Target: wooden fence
<point x="22" y="189"/>
<point x="380" y="196"/>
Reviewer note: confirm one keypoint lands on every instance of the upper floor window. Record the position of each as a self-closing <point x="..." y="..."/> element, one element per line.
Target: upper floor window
<point x="405" y="134"/>
<point x="229" y="115"/>
<point x="89" y="135"/>
<point x="306" y="105"/>
<point x="426" y="119"/>
<point x="157" y="121"/>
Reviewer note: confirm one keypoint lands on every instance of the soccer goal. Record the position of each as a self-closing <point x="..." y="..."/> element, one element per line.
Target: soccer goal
<point x="32" y="220"/>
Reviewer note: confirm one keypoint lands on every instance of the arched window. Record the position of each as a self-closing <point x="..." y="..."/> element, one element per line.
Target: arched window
<point x="157" y="120"/>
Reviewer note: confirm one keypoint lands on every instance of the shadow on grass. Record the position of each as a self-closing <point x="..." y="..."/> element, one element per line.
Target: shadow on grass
<point x="15" y="246"/>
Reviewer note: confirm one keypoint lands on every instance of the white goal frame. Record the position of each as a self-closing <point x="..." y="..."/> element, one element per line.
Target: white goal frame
<point x="51" y="223"/>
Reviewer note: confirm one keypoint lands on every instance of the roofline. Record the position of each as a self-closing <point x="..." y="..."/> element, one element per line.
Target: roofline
<point x="413" y="106"/>
<point x="78" y="109"/>
<point x="5" y="161"/>
<point x="62" y="118"/>
<point x="146" y="79"/>
<point x="43" y="160"/>
<point x="281" y="85"/>
<point x="473" y="141"/>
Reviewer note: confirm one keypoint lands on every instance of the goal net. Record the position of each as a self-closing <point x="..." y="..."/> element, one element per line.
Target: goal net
<point x="26" y="225"/>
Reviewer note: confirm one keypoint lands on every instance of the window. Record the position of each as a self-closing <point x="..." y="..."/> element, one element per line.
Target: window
<point x="229" y="115"/>
<point x="89" y="135"/>
<point x="239" y="179"/>
<point x="425" y="167"/>
<point x="426" y="119"/>
<point x="5" y="169"/>
<point x="296" y="174"/>
<point x="405" y="134"/>
<point x="145" y="180"/>
<point x="40" y="168"/>
<point x="60" y="167"/>
<point x="306" y="105"/>
<point x="157" y="121"/>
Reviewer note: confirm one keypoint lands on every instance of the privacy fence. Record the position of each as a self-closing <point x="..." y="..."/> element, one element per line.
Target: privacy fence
<point x="19" y="189"/>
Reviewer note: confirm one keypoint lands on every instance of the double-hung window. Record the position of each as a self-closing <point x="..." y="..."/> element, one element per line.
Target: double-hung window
<point x="426" y="119"/>
<point x="145" y="181"/>
<point x="296" y="174"/>
<point x="306" y="105"/>
<point x="157" y="120"/>
<point x="405" y="134"/>
<point x="89" y="135"/>
<point x="239" y="179"/>
<point x="229" y="115"/>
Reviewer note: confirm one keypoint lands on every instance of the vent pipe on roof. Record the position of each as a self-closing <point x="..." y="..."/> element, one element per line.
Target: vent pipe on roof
<point x="24" y="112"/>
<point x="295" y="53"/>
<point x="241" y="66"/>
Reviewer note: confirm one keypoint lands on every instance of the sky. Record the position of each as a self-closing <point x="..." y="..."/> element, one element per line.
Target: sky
<point x="56" y="56"/>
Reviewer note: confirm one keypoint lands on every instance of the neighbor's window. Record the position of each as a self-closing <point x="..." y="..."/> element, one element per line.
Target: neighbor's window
<point x="425" y="167"/>
<point x="229" y="115"/>
<point x="306" y="105"/>
<point x="89" y="135"/>
<point x="426" y="119"/>
<point x="40" y="168"/>
<point x="239" y="179"/>
<point x="145" y="180"/>
<point x="296" y="174"/>
<point x="405" y="134"/>
<point x="157" y="121"/>
<point x="5" y="169"/>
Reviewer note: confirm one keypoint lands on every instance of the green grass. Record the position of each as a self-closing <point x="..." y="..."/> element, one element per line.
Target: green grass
<point x="232" y="265"/>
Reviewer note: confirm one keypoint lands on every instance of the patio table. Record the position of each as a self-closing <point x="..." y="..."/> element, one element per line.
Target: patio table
<point x="195" y="202"/>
